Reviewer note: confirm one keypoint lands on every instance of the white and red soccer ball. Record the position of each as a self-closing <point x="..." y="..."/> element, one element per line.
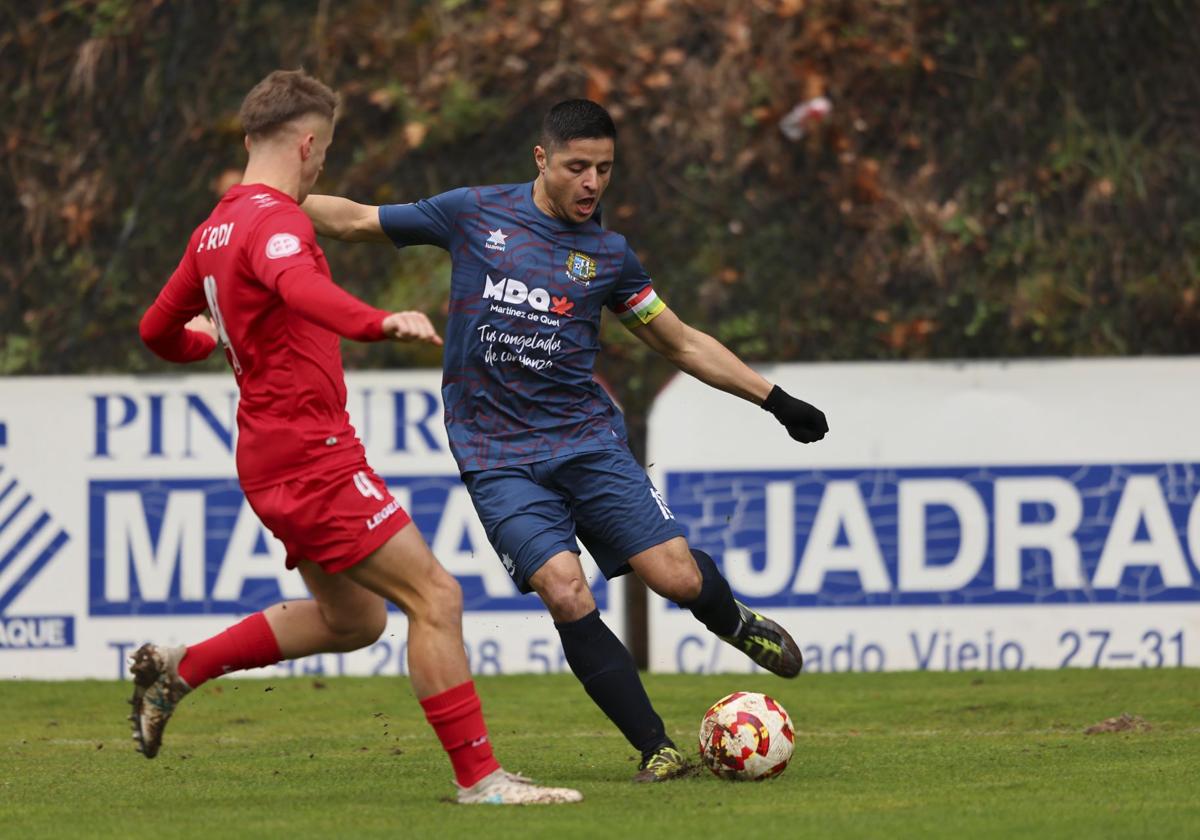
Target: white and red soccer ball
<point x="746" y="737"/>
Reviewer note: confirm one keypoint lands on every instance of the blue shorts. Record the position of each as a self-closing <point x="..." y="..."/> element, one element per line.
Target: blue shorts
<point x="533" y="511"/>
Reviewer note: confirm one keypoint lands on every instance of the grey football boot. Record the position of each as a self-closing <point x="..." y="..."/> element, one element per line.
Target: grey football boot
<point x="501" y="787"/>
<point x="157" y="690"/>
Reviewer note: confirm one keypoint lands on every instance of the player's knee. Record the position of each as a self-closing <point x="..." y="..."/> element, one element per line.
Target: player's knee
<point x="442" y="598"/>
<point x="680" y="584"/>
<point x="567" y="598"/>
<point x="372" y="625"/>
<point x="690" y="582"/>
<point x="361" y="628"/>
<point x="450" y="596"/>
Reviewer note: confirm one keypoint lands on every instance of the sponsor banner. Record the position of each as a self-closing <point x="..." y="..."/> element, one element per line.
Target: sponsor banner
<point x="121" y="521"/>
<point x="981" y="516"/>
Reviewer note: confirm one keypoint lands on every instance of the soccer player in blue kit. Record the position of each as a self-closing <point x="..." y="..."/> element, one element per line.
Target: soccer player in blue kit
<point x="541" y="447"/>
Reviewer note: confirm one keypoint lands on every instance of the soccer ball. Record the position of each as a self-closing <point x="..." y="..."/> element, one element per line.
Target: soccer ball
<point x="746" y="737"/>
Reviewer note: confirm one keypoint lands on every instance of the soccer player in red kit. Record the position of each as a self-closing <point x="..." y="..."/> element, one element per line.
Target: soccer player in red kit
<point x="254" y="264"/>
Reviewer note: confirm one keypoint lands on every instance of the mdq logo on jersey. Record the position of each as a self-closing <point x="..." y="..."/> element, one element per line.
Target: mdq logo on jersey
<point x="1126" y="533"/>
<point x="512" y="291"/>
<point x="29" y="540"/>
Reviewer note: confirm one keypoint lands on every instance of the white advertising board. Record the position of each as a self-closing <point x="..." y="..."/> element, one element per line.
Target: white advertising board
<point x="1035" y="514"/>
<point x="121" y="522"/>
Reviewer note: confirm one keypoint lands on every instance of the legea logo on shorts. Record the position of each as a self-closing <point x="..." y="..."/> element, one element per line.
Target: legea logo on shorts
<point x="509" y="290"/>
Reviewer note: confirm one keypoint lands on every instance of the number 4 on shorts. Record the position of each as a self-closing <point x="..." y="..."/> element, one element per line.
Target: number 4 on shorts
<point x="363" y="483"/>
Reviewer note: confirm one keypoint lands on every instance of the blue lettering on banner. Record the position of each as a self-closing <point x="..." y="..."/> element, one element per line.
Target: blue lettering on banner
<point x="42" y="631"/>
<point x="949" y="536"/>
<point x="134" y="425"/>
<point x="429" y="414"/>
<point x="196" y="407"/>
<point x="125" y="417"/>
<point x="195" y="547"/>
<point x="29" y="540"/>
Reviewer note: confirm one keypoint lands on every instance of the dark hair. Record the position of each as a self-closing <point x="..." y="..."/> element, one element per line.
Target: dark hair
<point x="283" y="96"/>
<point x="575" y="119"/>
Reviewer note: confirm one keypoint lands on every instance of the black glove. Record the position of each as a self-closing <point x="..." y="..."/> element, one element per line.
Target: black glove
<point x="804" y="422"/>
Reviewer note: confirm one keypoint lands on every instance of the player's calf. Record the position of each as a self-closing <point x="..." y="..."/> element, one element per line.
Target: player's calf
<point x="714" y="605"/>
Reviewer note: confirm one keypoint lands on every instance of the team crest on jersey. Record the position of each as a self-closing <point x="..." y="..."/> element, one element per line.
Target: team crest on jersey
<point x="581" y="268"/>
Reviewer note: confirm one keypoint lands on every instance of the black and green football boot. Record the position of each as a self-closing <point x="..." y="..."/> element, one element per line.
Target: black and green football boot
<point x="768" y="644"/>
<point x="662" y="764"/>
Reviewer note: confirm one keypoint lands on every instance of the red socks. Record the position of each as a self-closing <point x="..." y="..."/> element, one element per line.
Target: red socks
<point x="248" y="644"/>
<point x="457" y="717"/>
<point x="456" y="714"/>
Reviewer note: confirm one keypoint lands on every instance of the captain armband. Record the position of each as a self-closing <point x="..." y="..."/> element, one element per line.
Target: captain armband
<point x="641" y="308"/>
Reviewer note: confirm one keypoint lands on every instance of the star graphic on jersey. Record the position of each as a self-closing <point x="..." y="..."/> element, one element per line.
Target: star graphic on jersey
<point x="496" y="239"/>
<point x="561" y="306"/>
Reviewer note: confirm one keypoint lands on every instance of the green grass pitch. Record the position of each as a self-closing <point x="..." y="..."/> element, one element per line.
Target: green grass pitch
<point x="880" y="755"/>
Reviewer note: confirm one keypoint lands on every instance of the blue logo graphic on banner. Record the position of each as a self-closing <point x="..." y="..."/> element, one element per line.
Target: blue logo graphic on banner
<point x="949" y="536"/>
<point x="29" y="540"/>
<point x="195" y="547"/>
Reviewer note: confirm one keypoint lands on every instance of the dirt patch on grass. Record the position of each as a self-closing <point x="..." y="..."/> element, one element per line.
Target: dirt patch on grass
<point x="1124" y="723"/>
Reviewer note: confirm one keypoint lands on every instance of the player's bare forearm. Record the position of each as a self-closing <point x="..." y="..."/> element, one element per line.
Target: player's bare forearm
<point x="702" y="356"/>
<point x="714" y="364"/>
<point x="344" y="219"/>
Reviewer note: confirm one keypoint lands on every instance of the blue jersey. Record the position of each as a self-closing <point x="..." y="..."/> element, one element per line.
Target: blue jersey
<point x="526" y="294"/>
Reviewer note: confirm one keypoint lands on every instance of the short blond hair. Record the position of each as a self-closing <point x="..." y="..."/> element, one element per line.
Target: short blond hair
<point x="283" y="96"/>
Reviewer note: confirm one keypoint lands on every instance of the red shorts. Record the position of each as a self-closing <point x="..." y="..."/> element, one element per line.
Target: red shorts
<point x="333" y="522"/>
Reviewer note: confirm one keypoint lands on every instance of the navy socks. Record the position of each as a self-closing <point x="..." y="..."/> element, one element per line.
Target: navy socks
<point x="714" y="606"/>
<point x="609" y="676"/>
<point x="606" y="668"/>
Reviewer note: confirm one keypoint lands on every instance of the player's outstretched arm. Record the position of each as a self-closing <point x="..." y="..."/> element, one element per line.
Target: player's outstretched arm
<point x="344" y="219"/>
<point x="316" y="297"/>
<point x="702" y="356"/>
<point x="173" y="327"/>
<point x="411" y="326"/>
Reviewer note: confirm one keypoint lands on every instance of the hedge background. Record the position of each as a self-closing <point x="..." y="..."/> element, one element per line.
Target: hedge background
<point x="997" y="179"/>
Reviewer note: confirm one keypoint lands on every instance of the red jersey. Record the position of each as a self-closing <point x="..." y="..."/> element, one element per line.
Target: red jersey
<point x="254" y="264"/>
